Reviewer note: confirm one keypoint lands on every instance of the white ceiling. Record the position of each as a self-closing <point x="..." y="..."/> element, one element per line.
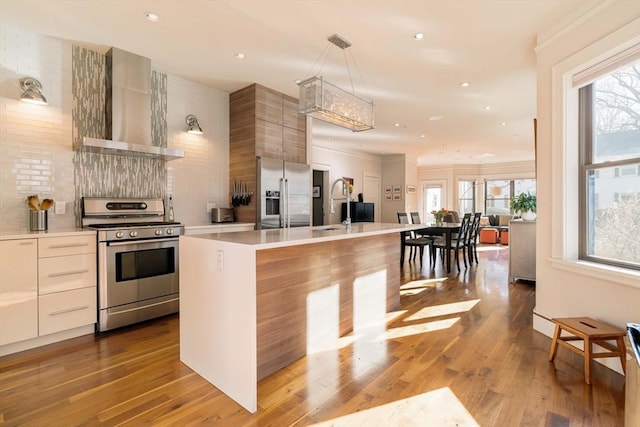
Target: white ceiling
<point x="489" y="44"/>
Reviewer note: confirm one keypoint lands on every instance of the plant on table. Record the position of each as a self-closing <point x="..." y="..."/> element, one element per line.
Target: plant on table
<point x="439" y="215"/>
<point x="525" y="204"/>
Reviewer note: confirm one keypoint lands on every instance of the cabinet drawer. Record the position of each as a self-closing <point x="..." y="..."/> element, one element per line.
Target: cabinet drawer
<point x="57" y="274"/>
<point x="66" y="310"/>
<point x="72" y="245"/>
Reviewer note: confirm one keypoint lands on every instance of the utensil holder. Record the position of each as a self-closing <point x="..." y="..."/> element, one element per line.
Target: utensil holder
<point x="38" y="220"/>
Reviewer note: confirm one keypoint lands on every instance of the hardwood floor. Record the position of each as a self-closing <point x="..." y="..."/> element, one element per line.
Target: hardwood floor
<point x="461" y="351"/>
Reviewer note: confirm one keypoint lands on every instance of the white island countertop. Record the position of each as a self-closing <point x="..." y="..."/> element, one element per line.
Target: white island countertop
<point x="281" y="237"/>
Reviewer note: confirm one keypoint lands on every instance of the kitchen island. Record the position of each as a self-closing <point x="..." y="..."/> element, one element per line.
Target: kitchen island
<point x="253" y="302"/>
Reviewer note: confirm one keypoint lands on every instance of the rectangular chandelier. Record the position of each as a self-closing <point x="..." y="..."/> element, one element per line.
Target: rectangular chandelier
<point x="327" y="102"/>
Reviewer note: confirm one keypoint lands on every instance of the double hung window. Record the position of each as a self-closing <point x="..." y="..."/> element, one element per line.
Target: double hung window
<point x="609" y="132"/>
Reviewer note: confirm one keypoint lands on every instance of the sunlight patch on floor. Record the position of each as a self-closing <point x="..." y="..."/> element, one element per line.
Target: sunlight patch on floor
<point x="439" y="407"/>
<point x="417" y="286"/>
<point x="443" y="310"/>
<point x="421" y="328"/>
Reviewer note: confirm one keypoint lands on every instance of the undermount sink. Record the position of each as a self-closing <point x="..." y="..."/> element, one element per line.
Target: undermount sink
<point x="329" y="228"/>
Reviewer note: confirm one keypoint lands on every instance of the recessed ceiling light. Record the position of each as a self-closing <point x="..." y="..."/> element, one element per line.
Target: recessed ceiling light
<point x="151" y="16"/>
<point x="396" y="124"/>
<point x="240" y="55"/>
<point x="418" y="36"/>
<point x="464" y="84"/>
<point x="488" y="107"/>
<point x="297" y="81"/>
<point x="504" y="123"/>
<point x="422" y="136"/>
<point x="435" y="118"/>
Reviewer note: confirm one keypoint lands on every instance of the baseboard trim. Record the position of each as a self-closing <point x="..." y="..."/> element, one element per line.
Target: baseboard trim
<point x="46" y="339"/>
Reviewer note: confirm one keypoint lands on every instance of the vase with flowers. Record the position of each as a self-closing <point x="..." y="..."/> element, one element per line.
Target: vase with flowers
<point x="439" y="215"/>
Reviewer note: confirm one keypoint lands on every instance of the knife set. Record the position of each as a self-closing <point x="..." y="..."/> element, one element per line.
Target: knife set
<point x="240" y="197"/>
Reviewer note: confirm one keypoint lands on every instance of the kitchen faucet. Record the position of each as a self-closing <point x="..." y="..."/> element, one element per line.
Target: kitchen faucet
<point x="345" y="189"/>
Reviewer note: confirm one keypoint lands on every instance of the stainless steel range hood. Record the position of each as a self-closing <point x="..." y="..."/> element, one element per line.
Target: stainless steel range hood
<point x="128" y="110"/>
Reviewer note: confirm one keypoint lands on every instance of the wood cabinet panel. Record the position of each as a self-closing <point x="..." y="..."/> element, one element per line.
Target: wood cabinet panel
<point x="290" y="116"/>
<point x="268" y="104"/>
<point x="305" y="294"/>
<point x="294" y="145"/>
<point x="268" y="139"/>
<point x="265" y="123"/>
<point x="18" y="290"/>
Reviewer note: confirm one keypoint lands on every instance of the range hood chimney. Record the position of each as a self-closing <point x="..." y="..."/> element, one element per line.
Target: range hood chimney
<point x="128" y="110"/>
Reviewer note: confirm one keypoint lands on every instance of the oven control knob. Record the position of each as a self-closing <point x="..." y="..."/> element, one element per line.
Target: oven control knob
<point x="158" y="232"/>
<point x="169" y="230"/>
<point x="133" y="233"/>
<point x="119" y="234"/>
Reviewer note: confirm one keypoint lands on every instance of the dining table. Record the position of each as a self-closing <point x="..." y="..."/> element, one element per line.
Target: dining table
<point x="446" y="229"/>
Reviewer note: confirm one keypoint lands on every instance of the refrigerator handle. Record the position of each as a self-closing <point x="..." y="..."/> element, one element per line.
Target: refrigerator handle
<point x="287" y="211"/>
<point x="281" y="214"/>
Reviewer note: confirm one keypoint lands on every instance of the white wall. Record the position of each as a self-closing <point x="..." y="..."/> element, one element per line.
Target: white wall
<point x="394" y="175"/>
<point x="349" y="164"/>
<point x="564" y="286"/>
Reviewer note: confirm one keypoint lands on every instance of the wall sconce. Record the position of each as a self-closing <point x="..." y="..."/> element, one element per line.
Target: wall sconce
<point x="194" y="127"/>
<point x="32" y="91"/>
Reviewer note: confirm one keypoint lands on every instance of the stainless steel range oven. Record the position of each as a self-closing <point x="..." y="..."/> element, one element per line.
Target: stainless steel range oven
<point x="137" y="260"/>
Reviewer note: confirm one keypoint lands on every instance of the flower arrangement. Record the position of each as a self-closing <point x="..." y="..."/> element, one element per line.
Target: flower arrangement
<point x="439" y="215"/>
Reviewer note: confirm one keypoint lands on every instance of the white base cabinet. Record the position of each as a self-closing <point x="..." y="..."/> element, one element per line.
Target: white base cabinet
<point x="47" y="290"/>
<point x="18" y="290"/>
<point x="67" y="292"/>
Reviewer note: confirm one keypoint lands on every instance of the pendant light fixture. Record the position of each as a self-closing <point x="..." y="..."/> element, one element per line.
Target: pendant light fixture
<point x="325" y="101"/>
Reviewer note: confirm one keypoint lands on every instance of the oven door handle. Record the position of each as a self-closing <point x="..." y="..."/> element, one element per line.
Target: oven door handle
<point x="140" y="242"/>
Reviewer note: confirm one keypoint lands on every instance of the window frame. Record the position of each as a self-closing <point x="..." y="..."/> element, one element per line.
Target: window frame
<point x="586" y="166"/>
<point x="512" y="190"/>
<point x="474" y="184"/>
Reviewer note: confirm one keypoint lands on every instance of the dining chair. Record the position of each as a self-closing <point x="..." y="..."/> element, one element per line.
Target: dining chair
<point x="414" y="242"/>
<point x="474" y="229"/>
<point x="459" y="244"/>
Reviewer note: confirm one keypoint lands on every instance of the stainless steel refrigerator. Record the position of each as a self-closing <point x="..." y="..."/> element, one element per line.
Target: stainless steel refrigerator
<point x="284" y="190"/>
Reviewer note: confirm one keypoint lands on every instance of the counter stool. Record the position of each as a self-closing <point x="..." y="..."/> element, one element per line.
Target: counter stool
<point x="591" y="332"/>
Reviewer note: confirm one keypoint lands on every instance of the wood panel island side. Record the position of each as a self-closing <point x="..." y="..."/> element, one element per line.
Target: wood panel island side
<point x="253" y="302"/>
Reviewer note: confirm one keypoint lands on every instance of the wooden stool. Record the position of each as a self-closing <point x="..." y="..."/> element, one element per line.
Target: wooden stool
<point x="591" y="332"/>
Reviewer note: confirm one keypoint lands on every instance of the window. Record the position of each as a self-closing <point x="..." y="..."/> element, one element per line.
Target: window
<point x="498" y="194"/>
<point x="609" y="161"/>
<point x="497" y="197"/>
<point x="466" y="197"/>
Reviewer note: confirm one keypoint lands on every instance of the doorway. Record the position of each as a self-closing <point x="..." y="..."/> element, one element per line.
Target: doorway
<point x="433" y="195"/>
<point x="371" y="191"/>
<point x="319" y="191"/>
